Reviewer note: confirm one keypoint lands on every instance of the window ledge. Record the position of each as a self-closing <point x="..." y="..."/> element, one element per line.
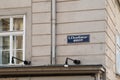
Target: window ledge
<point x="21" y="71"/>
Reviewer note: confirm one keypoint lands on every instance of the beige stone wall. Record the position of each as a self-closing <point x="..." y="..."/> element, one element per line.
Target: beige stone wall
<point x="41" y="32"/>
<point x="112" y="11"/>
<point x="64" y="78"/>
<point x="73" y="17"/>
<point x="52" y="78"/>
<point x="5" y="4"/>
<point x="76" y="17"/>
<point x="19" y="7"/>
<point x="8" y="79"/>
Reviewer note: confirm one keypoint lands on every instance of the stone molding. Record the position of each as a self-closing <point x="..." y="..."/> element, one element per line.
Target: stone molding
<point x="50" y="70"/>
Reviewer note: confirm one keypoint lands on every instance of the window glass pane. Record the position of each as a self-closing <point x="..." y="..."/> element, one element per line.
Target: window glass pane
<point x="118" y="40"/>
<point x="18" y="24"/>
<point x="5" y="24"/>
<point x="19" y="55"/>
<point x="118" y="61"/>
<point x="17" y="42"/>
<point x="5" y="57"/>
<point x="4" y="42"/>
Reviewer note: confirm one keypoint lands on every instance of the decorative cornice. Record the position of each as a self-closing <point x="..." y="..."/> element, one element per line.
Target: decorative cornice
<point x="22" y="71"/>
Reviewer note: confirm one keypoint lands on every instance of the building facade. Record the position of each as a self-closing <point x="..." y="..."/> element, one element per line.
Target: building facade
<point x="39" y="39"/>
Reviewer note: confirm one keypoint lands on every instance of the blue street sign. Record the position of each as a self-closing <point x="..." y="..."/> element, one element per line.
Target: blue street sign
<point x="78" y="38"/>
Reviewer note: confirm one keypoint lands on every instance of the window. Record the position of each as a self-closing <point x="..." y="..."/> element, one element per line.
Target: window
<point x="12" y="39"/>
<point x="118" y="54"/>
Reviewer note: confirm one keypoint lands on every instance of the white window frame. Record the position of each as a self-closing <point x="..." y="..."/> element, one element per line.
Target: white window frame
<point x="17" y="33"/>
